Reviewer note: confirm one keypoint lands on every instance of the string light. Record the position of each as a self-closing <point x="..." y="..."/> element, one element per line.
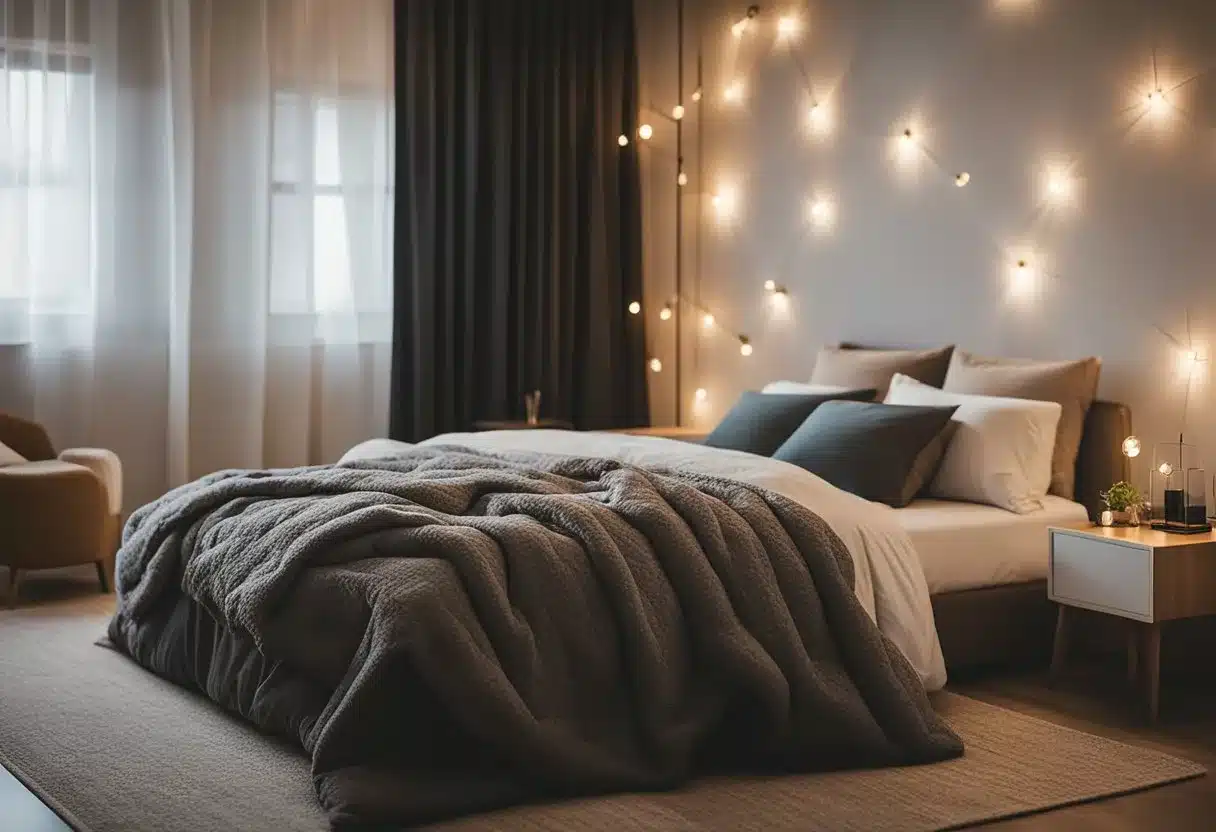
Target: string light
<point x="819" y="118"/>
<point x="1158" y="104"/>
<point x="1165" y="469"/>
<point x="1131" y="447"/>
<point x="707" y="321"/>
<point x="745" y="346"/>
<point x="725" y="202"/>
<point x="962" y="179"/>
<point x="696" y="94"/>
<point x="770" y="286"/>
<point x="739" y="28"/>
<point x="656" y="366"/>
<point x="788" y="28"/>
<point x="677" y="112"/>
<point x="665" y="313"/>
<point x="701" y="395"/>
<point x="1022" y="279"/>
<point x="822" y="212"/>
<point x="645" y="131"/>
<point x="682" y="179"/>
<point x="1058" y="185"/>
<point x="635" y="308"/>
<point x="622" y="140"/>
<point x="733" y="93"/>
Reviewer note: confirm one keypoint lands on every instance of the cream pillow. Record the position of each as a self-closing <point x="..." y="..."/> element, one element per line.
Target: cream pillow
<point x="799" y="388"/>
<point x="10" y="457"/>
<point x="1001" y="452"/>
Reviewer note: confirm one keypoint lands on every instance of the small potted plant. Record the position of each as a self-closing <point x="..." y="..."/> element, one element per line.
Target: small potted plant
<point x="1123" y="503"/>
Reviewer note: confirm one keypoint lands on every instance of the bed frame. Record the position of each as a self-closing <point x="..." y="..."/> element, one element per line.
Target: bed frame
<point x="1013" y="625"/>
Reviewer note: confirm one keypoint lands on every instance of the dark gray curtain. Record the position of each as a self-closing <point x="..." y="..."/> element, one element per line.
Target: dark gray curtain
<point x="518" y="218"/>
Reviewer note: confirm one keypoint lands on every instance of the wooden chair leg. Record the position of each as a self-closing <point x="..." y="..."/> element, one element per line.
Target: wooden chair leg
<point x="14" y="585"/>
<point x="103" y="576"/>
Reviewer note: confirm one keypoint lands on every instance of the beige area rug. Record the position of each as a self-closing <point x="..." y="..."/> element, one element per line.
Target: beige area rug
<point x="112" y="747"/>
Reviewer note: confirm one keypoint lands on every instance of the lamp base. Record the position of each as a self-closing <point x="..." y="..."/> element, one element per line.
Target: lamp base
<point x="1172" y="529"/>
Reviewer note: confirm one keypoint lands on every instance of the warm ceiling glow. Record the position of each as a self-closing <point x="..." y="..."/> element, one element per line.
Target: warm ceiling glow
<point x="733" y="93"/>
<point x="622" y="140"/>
<point x="962" y="179"/>
<point x="702" y="394"/>
<point x="645" y="131"/>
<point x="665" y="313"/>
<point x="1131" y="447"/>
<point x="788" y="27"/>
<point x="707" y="321"/>
<point x="656" y="366"/>
<point x="635" y="308"/>
<point x="677" y="112"/>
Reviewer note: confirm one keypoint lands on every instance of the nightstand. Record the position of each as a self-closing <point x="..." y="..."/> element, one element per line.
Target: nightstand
<point x="1145" y="576"/>
<point x="683" y="433"/>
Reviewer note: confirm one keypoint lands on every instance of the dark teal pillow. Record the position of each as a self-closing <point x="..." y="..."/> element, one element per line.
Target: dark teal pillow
<point x="882" y="452"/>
<point x="760" y="422"/>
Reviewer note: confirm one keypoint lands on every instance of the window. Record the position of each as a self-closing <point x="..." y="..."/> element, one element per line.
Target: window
<point x="46" y="193"/>
<point x="331" y="184"/>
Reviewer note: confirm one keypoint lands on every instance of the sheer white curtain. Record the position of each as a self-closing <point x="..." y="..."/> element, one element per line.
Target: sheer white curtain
<point x="196" y="228"/>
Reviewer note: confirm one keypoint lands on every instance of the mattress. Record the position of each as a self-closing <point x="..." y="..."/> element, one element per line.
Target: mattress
<point x="967" y="545"/>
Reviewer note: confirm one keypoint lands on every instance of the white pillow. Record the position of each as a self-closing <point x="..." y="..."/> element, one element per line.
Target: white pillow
<point x="801" y="388"/>
<point x="1001" y="452"/>
<point x="10" y="457"/>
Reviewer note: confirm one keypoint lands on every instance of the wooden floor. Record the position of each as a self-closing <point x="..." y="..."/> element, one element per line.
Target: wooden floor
<point x="1089" y="698"/>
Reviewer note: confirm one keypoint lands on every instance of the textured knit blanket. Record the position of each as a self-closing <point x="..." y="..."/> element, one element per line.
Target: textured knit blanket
<point x="449" y="631"/>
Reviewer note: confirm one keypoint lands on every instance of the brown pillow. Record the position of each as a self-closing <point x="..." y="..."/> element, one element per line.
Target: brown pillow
<point x="1071" y="384"/>
<point x="847" y="366"/>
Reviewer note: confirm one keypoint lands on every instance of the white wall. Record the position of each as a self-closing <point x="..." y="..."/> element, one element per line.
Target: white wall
<point x="1001" y="89"/>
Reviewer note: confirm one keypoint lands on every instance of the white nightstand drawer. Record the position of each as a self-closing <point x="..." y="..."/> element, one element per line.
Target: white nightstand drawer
<point x="1101" y="575"/>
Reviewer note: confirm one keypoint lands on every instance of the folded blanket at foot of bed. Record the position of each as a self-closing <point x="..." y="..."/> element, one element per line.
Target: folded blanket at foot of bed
<point x="448" y="631"/>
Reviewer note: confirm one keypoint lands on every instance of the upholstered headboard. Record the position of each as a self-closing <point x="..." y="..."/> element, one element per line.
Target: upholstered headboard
<point x="1100" y="462"/>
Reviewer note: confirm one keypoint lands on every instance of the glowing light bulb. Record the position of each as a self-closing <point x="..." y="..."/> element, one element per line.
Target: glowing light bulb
<point x="907" y="138"/>
<point x="1158" y="104"/>
<point x="962" y="179"/>
<point x="635" y="308"/>
<point x="656" y="366"/>
<point x="682" y="179"/>
<point x="1059" y="186"/>
<point x="1131" y="447"/>
<point x="788" y="27"/>
<point x="1165" y="469"/>
<point x="1022" y="280"/>
<point x="645" y="131"/>
<point x="739" y="28"/>
<point x="677" y="112"/>
<point x="770" y="286"/>
<point x="733" y="93"/>
<point x="702" y="394"/>
<point x="745" y="346"/>
<point x="622" y="140"/>
<point x="707" y="320"/>
<point x="696" y="94"/>
<point x="665" y="313"/>
<point x="822" y="212"/>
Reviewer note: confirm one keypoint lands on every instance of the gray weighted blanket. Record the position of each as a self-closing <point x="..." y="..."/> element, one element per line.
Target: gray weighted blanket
<point x="449" y="631"/>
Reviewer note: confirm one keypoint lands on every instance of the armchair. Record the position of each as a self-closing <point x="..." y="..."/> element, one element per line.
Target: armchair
<point x="57" y="510"/>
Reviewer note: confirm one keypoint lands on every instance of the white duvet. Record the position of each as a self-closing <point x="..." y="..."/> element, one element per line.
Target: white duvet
<point x="889" y="580"/>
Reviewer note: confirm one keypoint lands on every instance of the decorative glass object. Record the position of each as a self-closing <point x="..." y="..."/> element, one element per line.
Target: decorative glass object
<point x="1178" y="493"/>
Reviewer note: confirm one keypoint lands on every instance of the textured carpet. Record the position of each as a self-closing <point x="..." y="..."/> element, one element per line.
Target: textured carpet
<point x="112" y="747"/>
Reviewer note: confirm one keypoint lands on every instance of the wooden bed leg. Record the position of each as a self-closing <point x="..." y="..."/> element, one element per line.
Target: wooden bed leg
<point x="103" y="576"/>
<point x="14" y="586"/>
<point x="1059" y="649"/>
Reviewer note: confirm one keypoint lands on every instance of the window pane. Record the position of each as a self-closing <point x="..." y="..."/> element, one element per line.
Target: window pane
<point x="328" y="168"/>
<point x="331" y="256"/>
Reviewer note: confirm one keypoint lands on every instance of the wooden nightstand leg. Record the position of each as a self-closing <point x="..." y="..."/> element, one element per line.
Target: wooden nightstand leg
<point x="1133" y="652"/>
<point x="1059" y="649"/>
<point x="1151" y="656"/>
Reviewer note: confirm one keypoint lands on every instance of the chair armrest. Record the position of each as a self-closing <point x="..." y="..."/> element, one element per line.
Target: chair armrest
<point x="52" y="514"/>
<point x="106" y="465"/>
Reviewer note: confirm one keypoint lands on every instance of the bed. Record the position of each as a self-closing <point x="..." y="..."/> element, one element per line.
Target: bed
<point x="987" y="578"/>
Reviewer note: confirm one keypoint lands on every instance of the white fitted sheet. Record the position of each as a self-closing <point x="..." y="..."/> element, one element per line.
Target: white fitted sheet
<point x="967" y="545"/>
